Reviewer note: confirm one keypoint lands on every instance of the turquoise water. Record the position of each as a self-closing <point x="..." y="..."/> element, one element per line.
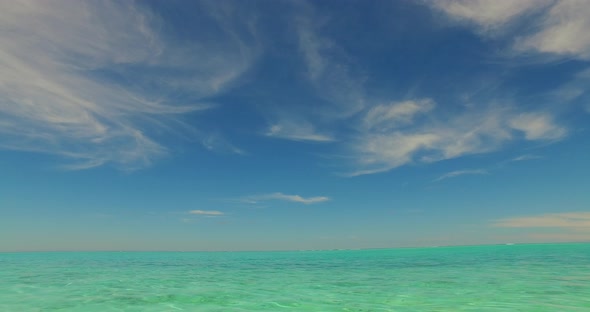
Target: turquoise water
<point x="478" y="278"/>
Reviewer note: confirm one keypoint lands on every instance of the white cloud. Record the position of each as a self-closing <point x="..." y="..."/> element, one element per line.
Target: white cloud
<point x="551" y="227"/>
<point x="328" y="70"/>
<point x="526" y="157"/>
<point x="206" y="212"/>
<point x="563" y="30"/>
<point x="471" y="132"/>
<point x="537" y="126"/>
<point x="297" y="132"/>
<point x="217" y="143"/>
<point x="429" y="142"/>
<point x="567" y="220"/>
<point x="574" y="90"/>
<point x="488" y="14"/>
<point x="556" y="27"/>
<point x="336" y="87"/>
<point x="378" y="153"/>
<point x="311" y="46"/>
<point x="457" y="173"/>
<point x="284" y="197"/>
<point x="56" y="91"/>
<point x="561" y="237"/>
<point x="396" y="114"/>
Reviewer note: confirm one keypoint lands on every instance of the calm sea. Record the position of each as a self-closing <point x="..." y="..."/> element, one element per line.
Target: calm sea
<point x="477" y="278"/>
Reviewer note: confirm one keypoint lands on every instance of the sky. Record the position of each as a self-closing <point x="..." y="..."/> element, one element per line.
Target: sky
<point x="281" y="125"/>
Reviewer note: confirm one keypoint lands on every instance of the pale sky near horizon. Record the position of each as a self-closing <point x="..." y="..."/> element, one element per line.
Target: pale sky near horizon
<point x="274" y="124"/>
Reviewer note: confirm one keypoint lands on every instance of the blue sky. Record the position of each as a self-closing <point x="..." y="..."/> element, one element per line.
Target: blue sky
<point x="265" y="125"/>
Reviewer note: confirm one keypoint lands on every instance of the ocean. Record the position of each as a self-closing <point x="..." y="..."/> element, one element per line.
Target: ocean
<point x="543" y="277"/>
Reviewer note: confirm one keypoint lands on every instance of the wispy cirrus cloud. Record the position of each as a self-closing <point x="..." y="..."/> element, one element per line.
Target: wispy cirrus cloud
<point x="297" y="132"/>
<point x="556" y="27"/>
<point x="526" y="157"/>
<point x="562" y="31"/>
<point x="206" y="212"/>
<point x="549" y="227"/>
<point x="216" y="142"/>
<point x="336" y="85"/>
<point x="381" y="136"/>
<point x="328" y="71"/>
<point x="561" y="237"/>
<point x="487" y="14"/>
<point x="474" y="131"/>
<point x="457" y="173"/>
<point x="575" y="90"/>
<point x="537" y="126"/>
<point x="84" y="80"/>
<point x="498" y="166"/>
<point x="565" y="220"/>
<point x="393" y="115"/>
<point x="284" y="197"/>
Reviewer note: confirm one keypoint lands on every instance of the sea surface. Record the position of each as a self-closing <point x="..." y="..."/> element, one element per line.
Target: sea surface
<point x="546" y="277"/>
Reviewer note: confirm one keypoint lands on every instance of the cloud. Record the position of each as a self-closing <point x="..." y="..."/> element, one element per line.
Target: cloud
<point x="563" y="30"/>
<point x="396" y="114"/>
<point x="556" y="27"/>
<point x="378" y="153"/>
<point x="560" y="237"/>
<point x="206" y="212"/>
<point x="217" y="143"/>
<point x="566" y="220"/>
<point x="537" y="126"/>
<point x="574" y="90"/>
<point x="389" y="135"/>
<point x="90" y="81"/>
<point x="526" y="157"/>
<point x="284" y="197"/>
<point x="453" y="174"/>
<point x="457" y="173"/>
<point x="551" y="227"/>
<point x="328" y="70"/>
<point x="488" y="14"/>
<point x="297" y="132"/>
<point x="334" y="86"/>
<point x="473" y="131"/>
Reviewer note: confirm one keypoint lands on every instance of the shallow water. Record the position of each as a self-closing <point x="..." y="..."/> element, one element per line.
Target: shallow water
<point x="477" y="278"/>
